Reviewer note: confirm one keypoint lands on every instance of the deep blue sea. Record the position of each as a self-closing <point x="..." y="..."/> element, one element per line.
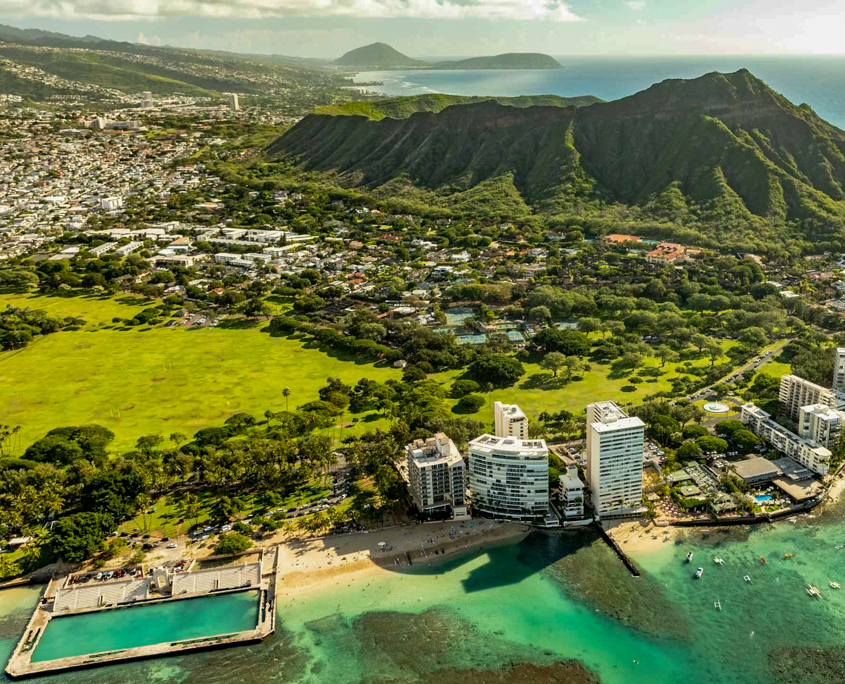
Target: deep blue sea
<point x="818" y="81"/>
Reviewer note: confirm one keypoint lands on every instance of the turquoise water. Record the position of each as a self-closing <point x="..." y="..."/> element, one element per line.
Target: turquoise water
<point x="818" y="81"/>
<point x="541" y="603"/>
<point x="144" y="625"/>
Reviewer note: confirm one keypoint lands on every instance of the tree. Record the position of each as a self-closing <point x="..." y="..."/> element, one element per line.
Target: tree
<point x="189" y="507"/>
<point x="711" y="445"/>
<point x="666" y="353"/>
<point x="148" y="443"/>
<point x="745" y="440"/>
<point x="471" y="403"/>
<point x="573" y="365"/>
<point x="553" y="361"/>
<point x="224" y="509"/>
<point x="714" y="351"/>
<point x="497" y="369"/>
<point x="688" y="451"/>
<point x="727" y="428"/>
<point x="77" y="537"/>
<point x="567" y="342"/>
<point x="461" y="388"/>
<point x="232" y="544"/>
<point x="286" y="395"/>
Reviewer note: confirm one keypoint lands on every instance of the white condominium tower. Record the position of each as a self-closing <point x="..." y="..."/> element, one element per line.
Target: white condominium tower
<point x="510" y="421"/>
<point x="509" y="478"/>
<point x="614" y="459"/>
<point x="436" y="475"/>
<point x="796" y="392"/>
<point x="839" y="371"/>
<point x="234" y="104"/>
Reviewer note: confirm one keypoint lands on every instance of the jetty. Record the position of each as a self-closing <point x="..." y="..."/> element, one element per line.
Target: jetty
<point x="62" y="600"/>
<point x="626" y="560"/>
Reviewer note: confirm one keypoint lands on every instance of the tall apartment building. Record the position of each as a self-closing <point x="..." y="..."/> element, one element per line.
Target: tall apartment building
<point x="436" y="475"/>
<point x="510" y="421"/>
<point x="234" y="104"/>
<point x="509" y="478"/>
<point x="839" y="371"/>
<point x="796" y="392"/>
<point x="807" y="452"/>
<point x="819" y="423"/>
<point x="572" y="493"/>
<point x="146" y="99"/>
<point x="614" y="459"/>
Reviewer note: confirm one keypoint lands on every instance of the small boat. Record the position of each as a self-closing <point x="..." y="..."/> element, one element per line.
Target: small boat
<point x="812" y="591"/>
<point x="718" y="561"/>
<point x="789" y="555"/>
<point x="763" y="561"/>
<point x="717" y="605"/>
<point x="747" y="578"/>
<point x="689" y="557"/>
<point x="835" y="585"/>
<point x="839" y="547"/>
<point x="699" y="573"/>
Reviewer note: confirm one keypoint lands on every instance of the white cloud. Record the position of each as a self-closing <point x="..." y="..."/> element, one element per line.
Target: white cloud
<point x="148" y="40"/>
<point x="550" y="10"/>
<point x="636" y="4"/>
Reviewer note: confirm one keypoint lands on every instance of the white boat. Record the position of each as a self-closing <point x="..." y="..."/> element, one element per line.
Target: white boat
<point x="699" y="573"/>
<point x="717" y="605"/>
<point x="689" y="557"/>
<point x="812" y="591"/>
<point x="835" y="585"/>
<point x="718" y="561"/>
<point x="747" y="578"/>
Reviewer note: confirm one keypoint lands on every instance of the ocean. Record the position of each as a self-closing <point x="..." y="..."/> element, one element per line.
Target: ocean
<point x="818" y="81"/>
<point x="554" y="607"/>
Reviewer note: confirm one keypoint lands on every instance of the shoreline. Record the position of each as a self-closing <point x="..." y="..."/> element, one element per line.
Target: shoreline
<point x="306" y="565"/>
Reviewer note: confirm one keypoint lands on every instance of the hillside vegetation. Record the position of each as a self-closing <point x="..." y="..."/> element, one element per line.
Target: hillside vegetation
<point x="722" y="155"/>
<point x="403" y="107"/>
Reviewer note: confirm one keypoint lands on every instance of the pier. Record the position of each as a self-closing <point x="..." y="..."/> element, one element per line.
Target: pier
<point x="626" y="561"/>
<point x="22" y="665"/>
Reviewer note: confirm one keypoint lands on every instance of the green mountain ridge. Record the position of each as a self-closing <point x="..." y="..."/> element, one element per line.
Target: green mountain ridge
<point x="378" y="55"/>
<point x="403" y="107"/>
<point x="511" y="60"/>
<point x="723" y="151"/>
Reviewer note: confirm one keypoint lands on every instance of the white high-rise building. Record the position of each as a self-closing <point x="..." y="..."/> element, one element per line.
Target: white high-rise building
<point x="796" y="392"/>
<point x="614" y="459"/>
<point x="509" y="478"/>
<point x="510" y="421"/>
<point x="572" y="493"/>
<point x="436" y="475"/>
<point x="819" y="423"/>
<point x="234" y="105"/>
<point x="807" y="452"/>
<point x="146" y="99"/>
<point x="839" y="371"/>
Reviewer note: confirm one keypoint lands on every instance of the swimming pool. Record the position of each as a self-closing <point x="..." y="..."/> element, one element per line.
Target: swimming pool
<point x="109" y="630"/>
<point x="763" y="497"/>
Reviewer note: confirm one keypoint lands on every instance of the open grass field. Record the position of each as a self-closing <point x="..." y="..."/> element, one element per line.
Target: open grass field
<point x="97" y="311"/>
<point x="161" y="380"/>
<point x="538" y="391"/>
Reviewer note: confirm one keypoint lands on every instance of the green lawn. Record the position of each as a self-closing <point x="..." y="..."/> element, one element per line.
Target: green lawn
<point x="538" y="391"/>
<point x="97" y="311"/>
<point x="161" y="380"/>
<point x="166" y="518"/>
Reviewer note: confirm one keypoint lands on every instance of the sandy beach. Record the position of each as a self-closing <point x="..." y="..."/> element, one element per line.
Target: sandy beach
<point x="311" y="563"/>
<point x="640" y="536"/>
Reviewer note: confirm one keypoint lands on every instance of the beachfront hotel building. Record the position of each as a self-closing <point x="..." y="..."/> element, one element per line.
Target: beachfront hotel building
<point x="571" y="494"/>
<point x="805" y="451"/>
<point x="796" y="392"/>
<point x="614" y="459"/>
<point x="839" y="371"/>
<point x="509" y="478"/>
<point x="819" y="423"/>
<point x="509" y="421"/>
<point x="436" y="475"/>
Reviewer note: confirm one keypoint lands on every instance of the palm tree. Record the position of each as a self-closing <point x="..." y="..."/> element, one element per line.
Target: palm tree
<point x="286" y="394"/>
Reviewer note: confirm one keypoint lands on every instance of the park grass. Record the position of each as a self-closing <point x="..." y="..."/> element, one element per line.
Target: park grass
<point x="775" y="368"/>
<point x="166" y="520"/>
<point x="539" y="392"/>
<point x="97" y="311"/>
<point x="162" y="380"/>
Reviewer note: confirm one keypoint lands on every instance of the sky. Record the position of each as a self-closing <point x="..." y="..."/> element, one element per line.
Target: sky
<point x="446" y="28"/>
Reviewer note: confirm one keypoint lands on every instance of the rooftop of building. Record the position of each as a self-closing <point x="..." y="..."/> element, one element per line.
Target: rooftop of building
<point x="757" y="467"/>
<point x="491" y="443"/>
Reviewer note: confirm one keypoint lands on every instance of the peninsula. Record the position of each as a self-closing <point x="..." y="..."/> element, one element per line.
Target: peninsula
<point x="380" y="56"/>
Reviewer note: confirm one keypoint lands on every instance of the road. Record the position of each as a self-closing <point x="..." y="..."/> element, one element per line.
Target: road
<point x="753" y="364"/>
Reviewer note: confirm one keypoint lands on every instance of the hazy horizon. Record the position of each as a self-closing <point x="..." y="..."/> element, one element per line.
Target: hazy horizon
<point x="453" y="28"/>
